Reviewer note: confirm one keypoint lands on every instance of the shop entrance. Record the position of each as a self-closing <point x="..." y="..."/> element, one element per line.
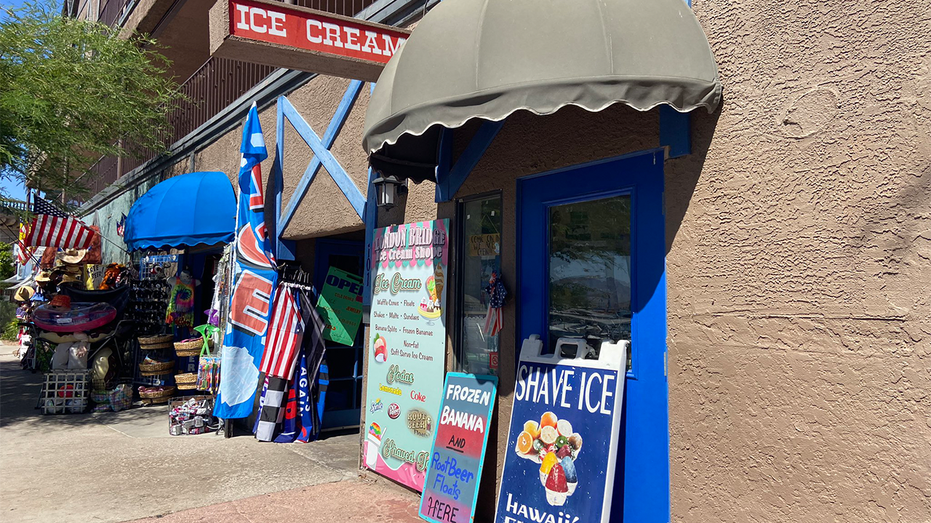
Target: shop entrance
<point x="343" y="401"/>
<point x="592" y="265"/>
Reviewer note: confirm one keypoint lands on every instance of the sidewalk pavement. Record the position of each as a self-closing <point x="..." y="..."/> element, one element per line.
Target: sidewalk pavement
<point x="346" y="501"/>
<point x="112" y="467"/>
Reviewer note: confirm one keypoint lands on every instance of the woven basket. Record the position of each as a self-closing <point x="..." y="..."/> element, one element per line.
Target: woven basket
<point x="158" y="368"/>
<point x="156" y="340"/>
<point x="156" y="346"/>
<point x="186" y="349"/>
<point x="188" y="378"/>
<point x="149" y="398"/>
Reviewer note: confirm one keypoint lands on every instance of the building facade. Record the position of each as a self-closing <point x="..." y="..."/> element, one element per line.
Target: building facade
<point x="785" y="358"/>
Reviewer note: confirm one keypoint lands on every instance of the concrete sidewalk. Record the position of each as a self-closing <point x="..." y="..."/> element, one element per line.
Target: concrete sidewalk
<point x="112" y="467"/>
<point x="346" y="501"/>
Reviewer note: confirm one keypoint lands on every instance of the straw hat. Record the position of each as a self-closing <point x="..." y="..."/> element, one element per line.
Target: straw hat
<point x="70" y="269"/>
<point x="24" y="293"/>
<point x="69" y="278"/>
<point x="44" y="276"/>
<point x="73" y="255"/>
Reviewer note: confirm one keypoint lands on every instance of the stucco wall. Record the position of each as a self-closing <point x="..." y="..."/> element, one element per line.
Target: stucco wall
<point x="799" y="269"/>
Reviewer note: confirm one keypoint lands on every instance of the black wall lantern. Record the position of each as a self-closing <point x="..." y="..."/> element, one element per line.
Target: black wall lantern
<point x="387" y="189"/>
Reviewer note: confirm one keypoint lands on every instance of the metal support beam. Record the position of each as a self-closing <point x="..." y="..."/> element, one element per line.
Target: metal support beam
<point x="450" y="179"/>
<point x="675" y="131"/>
<point x="322" y="154"/>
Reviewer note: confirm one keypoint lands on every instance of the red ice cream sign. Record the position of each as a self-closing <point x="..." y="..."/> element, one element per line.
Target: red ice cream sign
<point x="313" y="31"/>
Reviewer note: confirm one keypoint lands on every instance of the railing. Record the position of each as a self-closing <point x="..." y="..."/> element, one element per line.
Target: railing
<point x="114" y="11"/>
<point x="215" y="85"/>
<point x="218" y="83"/>
<point x="8" y="206"/>
<point x="340" y="7"/>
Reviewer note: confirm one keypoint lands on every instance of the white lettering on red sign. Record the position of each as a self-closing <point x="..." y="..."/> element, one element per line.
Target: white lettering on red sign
<point x="313" y="32"/>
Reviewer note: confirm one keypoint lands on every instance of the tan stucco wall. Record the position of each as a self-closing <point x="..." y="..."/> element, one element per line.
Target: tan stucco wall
<point x="799" y="269"/>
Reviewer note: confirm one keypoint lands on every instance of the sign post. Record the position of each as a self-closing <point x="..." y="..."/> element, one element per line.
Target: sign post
<point x="563" y="438"/>
<point x="406" y="354"/>
<point x="451" y="489"/>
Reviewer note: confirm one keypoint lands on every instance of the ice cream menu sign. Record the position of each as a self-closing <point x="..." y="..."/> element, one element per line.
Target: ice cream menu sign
<point x="562" y="442"/>
<point x="407" y="347"/>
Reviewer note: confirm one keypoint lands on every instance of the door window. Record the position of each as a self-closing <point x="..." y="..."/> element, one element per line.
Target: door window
<point x="479" y="257"/>
<point x="589" y="271"/>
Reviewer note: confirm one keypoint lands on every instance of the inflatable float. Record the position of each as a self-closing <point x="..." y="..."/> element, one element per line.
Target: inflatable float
<point x="79" y="317"/>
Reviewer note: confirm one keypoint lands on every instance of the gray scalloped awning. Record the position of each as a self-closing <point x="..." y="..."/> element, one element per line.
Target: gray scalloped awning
<point x="489" y="58"/>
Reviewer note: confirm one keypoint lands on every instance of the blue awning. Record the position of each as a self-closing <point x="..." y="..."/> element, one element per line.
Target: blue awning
<point x="184" y="211"/>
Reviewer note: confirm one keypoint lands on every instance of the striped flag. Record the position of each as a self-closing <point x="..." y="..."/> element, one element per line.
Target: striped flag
<point x="52" y="227"/>
<point x="23" y="251"/>
<point x="121" y="226"/>
<point x="284" y="337"/>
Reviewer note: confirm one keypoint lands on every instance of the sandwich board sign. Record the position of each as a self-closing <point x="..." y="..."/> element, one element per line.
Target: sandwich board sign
<point x="451" y="488"/>
<point x="563" y="438"/>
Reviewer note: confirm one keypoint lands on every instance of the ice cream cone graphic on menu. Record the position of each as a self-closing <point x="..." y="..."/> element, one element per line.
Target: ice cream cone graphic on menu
<point x="438" y="280"/>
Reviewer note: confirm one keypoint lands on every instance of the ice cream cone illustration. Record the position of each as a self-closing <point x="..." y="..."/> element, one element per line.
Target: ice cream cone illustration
<point x="439" y="280"/>
<point x="431" y="287"/>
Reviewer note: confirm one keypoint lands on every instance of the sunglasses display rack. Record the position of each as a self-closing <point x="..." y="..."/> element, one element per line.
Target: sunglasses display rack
<point x="147" y="306"/>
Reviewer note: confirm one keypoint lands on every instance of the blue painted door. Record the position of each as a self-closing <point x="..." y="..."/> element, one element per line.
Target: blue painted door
<point x="343" y="402"/>
<point x="591" y="252"/>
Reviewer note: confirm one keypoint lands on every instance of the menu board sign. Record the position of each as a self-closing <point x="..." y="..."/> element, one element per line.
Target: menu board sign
<point x="406" y="348"/>
<point x="340" y="306"/>
<point x="458" y="454"/>
<point x="562" y="442"/>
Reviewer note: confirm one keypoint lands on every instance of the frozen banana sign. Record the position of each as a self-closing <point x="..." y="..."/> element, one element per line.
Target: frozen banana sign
<point x="563" y="437"/>
<point x="458" y="453"/>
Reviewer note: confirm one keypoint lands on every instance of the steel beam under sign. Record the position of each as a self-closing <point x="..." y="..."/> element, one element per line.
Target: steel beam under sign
<point x="292" y="37"/>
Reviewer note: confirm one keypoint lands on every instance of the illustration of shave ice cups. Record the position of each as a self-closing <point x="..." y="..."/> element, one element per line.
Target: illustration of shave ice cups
<point x="372" y="445"/>
<point x="381" y="349"/>
<point x="557" y="488"/>
<point x="572" y="478"/>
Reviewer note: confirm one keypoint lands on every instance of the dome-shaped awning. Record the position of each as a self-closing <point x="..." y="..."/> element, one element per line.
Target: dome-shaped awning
<point x="183" y="211"/>
<point x="488" y="58"/>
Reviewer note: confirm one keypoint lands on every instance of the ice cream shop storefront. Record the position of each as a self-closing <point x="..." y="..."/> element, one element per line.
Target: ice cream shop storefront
<point x="521" y="234"/>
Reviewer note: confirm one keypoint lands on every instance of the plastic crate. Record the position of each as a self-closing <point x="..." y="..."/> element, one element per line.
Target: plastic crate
<point x="65" y="392"/>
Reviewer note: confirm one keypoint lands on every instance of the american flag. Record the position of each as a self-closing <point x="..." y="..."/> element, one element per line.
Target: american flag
<point x="284" y="337"/>
<point x="52" y="227"/>
<point x="121" y="226"/>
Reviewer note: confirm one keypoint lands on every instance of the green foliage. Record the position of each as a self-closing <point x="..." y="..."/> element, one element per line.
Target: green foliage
<point x="72" y="91"/>
<point x="10" y="330"/>
<point x="7" y="269"/>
